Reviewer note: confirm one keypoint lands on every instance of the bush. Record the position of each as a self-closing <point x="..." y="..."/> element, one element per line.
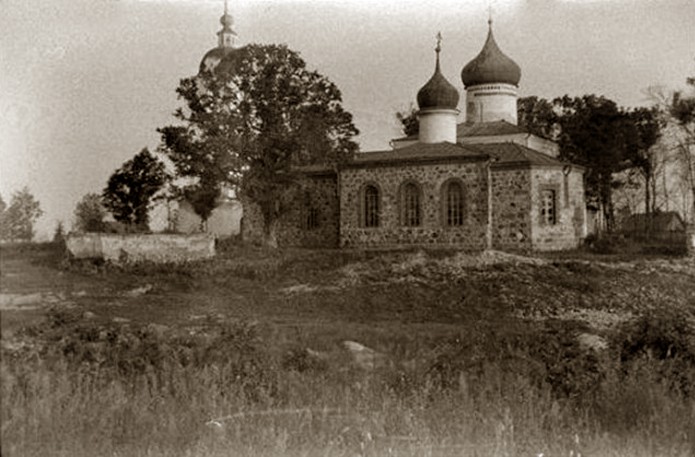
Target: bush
<point x="666" y="340"/>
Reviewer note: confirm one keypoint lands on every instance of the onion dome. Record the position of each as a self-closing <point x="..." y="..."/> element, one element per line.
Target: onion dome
<point x="438" y="92"/>
<point x="491" y="65"/>
<point x="226" y="40"/>
<point x="213" y="57"/>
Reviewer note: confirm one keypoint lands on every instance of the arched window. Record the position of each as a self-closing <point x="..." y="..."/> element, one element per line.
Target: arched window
<point x="370" y="206"/>
<point x="453" y="204"/>
<point x="410" y="205"/>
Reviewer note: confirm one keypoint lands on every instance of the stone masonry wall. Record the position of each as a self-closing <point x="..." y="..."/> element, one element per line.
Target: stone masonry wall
<point x="318" y="192"/>
<point x="432" y="230"/>
<point x="146" y="247"/>
<point x="511" y="203"/>
<point x="570" y="227"/>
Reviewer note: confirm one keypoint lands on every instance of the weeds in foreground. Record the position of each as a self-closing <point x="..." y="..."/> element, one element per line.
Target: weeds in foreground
<point x="91" y="389"/>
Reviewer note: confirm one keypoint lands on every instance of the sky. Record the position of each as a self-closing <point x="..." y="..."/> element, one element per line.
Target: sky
<point x="84" y="84"/>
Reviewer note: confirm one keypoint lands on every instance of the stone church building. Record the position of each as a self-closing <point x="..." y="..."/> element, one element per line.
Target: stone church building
<point x="480" y="184"/>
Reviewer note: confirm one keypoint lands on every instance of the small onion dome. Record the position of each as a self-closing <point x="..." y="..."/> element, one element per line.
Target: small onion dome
<point x="438" y="92"/>
<point x="491" y="65"/>
<point x="226" y="20"/>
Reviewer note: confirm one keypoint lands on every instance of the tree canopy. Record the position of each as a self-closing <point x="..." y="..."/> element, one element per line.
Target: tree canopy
<point x="90" y="214"/>
<point x="249" y="123"/>
<point x="594" y="132"/>
<point x="17" y="220"/>
<point x="131" y="188"/>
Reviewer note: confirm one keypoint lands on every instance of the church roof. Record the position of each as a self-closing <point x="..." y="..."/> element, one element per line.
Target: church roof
<point x="501" y="127"/>
<point x="491" y="65"/>
<point x="467" y="129"/>
<point x="507" y="154"/>
<point x="418" y="152"/>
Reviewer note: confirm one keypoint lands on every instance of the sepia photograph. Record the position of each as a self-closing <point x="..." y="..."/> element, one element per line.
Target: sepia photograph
<point x="350" y="228"/>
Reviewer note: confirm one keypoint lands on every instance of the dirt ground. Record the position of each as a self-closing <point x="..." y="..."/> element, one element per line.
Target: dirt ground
<point x="336" y="295"/>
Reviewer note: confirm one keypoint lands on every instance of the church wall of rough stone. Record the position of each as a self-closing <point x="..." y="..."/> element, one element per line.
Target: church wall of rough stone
<point x="570" y="224"/>
<point x="433" y="230"/>
<point x="511" y="219"/>
<point x="311" y="221"/>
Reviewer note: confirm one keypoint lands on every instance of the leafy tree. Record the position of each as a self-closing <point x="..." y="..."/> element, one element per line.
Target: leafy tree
<point x="250" y="123"/>
<point x="18" y="219"/>
<point x="131" y="188"/>
<point x="90" y="214"/>
<point x="596" y="133"/>
<point x="538" y="116"/>
<point x="410" y="124"/>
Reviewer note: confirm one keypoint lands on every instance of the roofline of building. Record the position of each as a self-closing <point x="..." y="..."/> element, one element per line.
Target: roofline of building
<point x="367" y="163"/>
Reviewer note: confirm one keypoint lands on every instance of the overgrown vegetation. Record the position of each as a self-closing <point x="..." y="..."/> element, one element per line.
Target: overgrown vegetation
<point x="480" y="355"/>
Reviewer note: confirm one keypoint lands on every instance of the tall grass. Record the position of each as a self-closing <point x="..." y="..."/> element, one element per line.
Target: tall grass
<point x="91" y="390"/>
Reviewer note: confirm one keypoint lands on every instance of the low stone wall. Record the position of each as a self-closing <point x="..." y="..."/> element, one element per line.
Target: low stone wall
<point x="133" y="248"/>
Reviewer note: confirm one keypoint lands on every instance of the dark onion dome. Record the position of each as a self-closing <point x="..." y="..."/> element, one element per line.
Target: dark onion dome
<point x="213" y="57"/>
<point x="438" y="92"/>
<point x="491" y="65"/>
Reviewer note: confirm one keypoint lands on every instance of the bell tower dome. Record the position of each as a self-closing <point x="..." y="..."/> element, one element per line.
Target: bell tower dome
<point x="226" y="42"/>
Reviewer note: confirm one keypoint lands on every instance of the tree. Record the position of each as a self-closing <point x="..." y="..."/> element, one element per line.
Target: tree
<point x="647" y="124"/>
<point x="251" y="123"/>
<point x="410" y="124"/>
<point x="596" y="133"/>
<point x="18" y="219"/>
<point x="682" y="110"/>
<point x="538" y="116"/>
<point x="3" y="208"/>
<point x="131" y="188"/>
<point x="90" y="214"/>
<point x="59" y="233"/>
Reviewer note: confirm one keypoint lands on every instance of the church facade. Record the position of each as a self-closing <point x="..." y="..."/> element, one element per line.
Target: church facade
<point x="485" y="183"/>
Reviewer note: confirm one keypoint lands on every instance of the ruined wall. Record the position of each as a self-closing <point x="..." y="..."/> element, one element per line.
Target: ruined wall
<point x="297" y="227"/>
<point x="570" y="226"/>
<point x="432" y="230"/>
<point x="141" y="247"/>
<point x="511" y="203"/>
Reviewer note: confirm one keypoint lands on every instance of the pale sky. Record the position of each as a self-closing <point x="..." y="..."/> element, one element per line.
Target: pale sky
<point x="85" y="83"/>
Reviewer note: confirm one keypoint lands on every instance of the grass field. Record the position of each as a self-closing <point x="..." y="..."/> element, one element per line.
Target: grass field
<point x="474" y="355"/>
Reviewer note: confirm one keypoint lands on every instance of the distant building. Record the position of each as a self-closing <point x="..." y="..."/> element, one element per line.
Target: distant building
<point x="661" y="226"/>
<point x="484" y="183"/>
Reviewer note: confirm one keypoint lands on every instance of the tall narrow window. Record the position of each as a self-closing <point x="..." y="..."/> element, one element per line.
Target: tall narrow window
<point x="548" y="216"/>
<point x="410" y="205"/>
<point x="454" y="204"/>
<point x="371" y="207"/>
<point x="312" y="218"/>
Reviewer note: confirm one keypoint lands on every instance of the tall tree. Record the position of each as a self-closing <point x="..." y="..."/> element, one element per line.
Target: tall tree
<point x="131" y="188"/>
<point x="642" y="153"/>
<point x="682" y="110"/>
<point x="90" y="214"/>
<point x="20" y="216"/>
<point x="596" y="133"/>
<point x="3" y="219"/>
<point x="251" y="122"/>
